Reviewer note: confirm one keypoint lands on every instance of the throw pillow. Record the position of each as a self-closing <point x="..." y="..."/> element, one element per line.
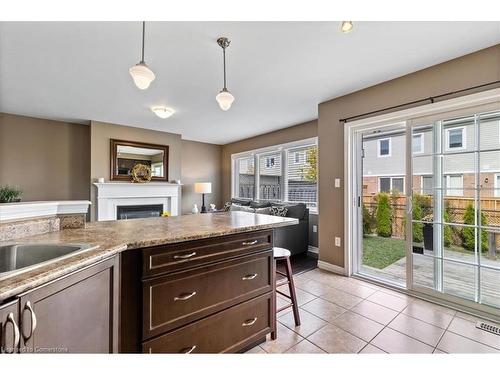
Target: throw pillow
<point x="263" y="211"/>
<point x="237" y="207"/>
<point x="227" y="206"/>
<point x="278" y="211"/>
<point x="264" y="204"/>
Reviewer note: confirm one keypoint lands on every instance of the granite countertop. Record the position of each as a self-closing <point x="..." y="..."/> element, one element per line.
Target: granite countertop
<point x="108" y="238"/>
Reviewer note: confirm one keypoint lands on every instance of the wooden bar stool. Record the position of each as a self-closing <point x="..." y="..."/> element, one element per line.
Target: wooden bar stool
<point x="283" y="254"/>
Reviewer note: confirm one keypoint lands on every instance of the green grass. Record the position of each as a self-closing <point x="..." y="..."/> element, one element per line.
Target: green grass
<point x="380" y="252"/>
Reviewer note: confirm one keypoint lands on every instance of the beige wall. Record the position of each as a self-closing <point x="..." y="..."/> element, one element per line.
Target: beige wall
<point x="100" y="135"/>
<point x="201" y="162"/>
<point x="293" y="133"/>
<point x="48" y="160"/>
<point x="467" y="71"/>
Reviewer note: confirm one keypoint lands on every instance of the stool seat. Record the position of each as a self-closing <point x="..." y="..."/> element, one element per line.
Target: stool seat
<point x="279" y="252"/>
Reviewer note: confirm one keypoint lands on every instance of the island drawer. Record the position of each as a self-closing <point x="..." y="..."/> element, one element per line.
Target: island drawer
<point x="227" y="331"/>
<point x="174" y="257"/>
<point x="177" y="299"/>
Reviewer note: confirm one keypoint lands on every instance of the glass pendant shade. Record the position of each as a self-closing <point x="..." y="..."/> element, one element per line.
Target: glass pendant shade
<point x="142" y="75"/>
<point x="346" y="26"/>
<point x="225" y="99"/>
<point x="163" y="112"/>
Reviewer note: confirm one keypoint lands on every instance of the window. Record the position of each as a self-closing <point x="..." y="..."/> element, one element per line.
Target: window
<point x="286" y="172"/>
<point x="391" y="184"/>
<point x="497" y="185"/>
<point x="455" y="139"/>
<point x="245" y="177"/>
<point x="384" y="147"/>
<point x="418" y="143"/>
<point x="270" y="181"/>
<point x="270" y="162"/>
<point x="454" y="185"/>
<point x="427" y="185"/>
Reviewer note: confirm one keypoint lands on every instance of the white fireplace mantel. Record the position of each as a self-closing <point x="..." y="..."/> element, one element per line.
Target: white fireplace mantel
<point x="110" y="195"/>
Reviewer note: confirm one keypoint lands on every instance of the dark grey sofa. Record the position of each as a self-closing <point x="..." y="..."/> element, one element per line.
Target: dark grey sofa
<point x="295" y="237"/>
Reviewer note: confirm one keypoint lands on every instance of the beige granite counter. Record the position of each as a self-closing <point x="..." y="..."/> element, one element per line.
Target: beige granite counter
<point x="111" y="237"/>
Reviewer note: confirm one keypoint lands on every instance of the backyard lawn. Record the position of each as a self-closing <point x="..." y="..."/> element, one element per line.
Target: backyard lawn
<point x="380" y="252"/>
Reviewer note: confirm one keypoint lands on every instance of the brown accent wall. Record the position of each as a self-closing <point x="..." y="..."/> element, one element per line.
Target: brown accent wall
<point x="201" y="162"/>
<point x="293" y="133"/>
<point x="48" y="160"/>
<point x="467" y="71"/>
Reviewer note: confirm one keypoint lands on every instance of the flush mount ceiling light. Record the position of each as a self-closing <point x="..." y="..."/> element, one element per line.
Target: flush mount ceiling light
<point x="141" y="74"/>
<point x="163" y="112"/>
<point x="346" y="26"/>
<point x="224" y="97"/>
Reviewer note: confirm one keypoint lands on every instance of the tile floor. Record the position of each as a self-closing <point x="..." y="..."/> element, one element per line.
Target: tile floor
<point x="346" y="315"/>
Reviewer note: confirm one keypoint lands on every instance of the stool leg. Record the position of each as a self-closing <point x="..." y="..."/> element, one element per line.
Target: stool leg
<point x="274" y="332"/>
<point x="291" y="285"/>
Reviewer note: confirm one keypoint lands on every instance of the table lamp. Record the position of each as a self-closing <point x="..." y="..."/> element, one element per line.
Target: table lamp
<point x="203" y="188"/>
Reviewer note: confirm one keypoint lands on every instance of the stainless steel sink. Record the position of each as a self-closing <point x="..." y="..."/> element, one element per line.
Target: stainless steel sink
<point x="18" y="257"/>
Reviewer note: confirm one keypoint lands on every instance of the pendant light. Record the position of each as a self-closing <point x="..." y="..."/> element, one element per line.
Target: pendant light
<point x="346" y="26"/>
<point x="141" y="74"/>
<point x="224" y="97"/>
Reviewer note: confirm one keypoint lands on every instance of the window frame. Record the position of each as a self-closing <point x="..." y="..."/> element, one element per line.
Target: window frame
<point x="422" y="190"/>
<point x="464" y="138"/>
<point x="390" y="147"/>
<point x="284" y="149"/>
<point x="447" y="186"/>
<point x="391" y="183"/>
<point x="422" y="144"/>
<point x="496" y="185"/>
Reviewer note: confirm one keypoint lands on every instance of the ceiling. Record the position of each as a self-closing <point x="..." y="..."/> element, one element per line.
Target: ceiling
<point x="278" y="71"/>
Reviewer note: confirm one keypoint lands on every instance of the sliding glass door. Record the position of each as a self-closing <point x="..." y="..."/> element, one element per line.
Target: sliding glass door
<point x="427" y="203"/>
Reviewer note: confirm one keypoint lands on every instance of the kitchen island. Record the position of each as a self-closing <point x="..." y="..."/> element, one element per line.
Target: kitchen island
<point x="194" y="283"/>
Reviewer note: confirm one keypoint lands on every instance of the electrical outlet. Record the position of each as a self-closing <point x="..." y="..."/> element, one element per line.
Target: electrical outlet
<point x="337" y="182"/>
<point x="315" y="228"/>
<point x="337" y="241"/>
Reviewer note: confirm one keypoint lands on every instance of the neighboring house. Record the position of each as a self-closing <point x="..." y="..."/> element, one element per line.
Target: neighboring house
<point x="384" y="159"/>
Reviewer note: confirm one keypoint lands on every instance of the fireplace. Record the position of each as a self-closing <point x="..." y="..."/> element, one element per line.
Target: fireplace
<point x="138" y="211"/>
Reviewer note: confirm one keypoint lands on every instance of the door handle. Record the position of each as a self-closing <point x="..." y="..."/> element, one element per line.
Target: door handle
<point x="249" y="322"/>
<point x="188" y="350"/>
<point x="32" y="318"/>
<point x="249" y="243"/>
<point x="250" y="277"/>
<point x="185" y="256"/>
<point x="15" y="329"/>
<point x="184" y="296"/>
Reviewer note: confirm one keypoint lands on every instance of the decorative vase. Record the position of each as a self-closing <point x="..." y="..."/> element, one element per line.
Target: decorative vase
<point x="195" y="210"/>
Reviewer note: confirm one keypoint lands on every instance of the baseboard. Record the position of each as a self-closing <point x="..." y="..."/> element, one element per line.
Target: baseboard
<point x="331" y="267"/>
<point x="313" y="251"/>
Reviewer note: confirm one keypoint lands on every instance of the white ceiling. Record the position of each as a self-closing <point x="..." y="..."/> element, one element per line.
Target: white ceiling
<point x="278" y="71"/>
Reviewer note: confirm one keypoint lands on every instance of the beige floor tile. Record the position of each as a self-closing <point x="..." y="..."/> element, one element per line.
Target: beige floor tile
<point x="375" y="312"/>
<point x="326" y="277"/>
<point x="468" y="317"/>
<point x="453" y="343"/>
<point x="312" y="286"/>
<point x="305" y="347"/>
<point x="341" y="298"/>
<point x="437" y="351"/>
<point x="352" y="286"/>
<point x="335" y="340"/>
<point x="309" y="323"/>
<point x="281" y="302"/>
<point x="389" y="300"/>
<point x="370" y="349"/>
<point x="395" y="342"/>
<point x="302" y="296"/>
<point x="358" y="325"/>
<point x="256" y="350"/>
<point x="325" y="310"/>
<point x="365" y="283"/>
<point x="434" y="306"/>
<point x="428" y="313"/>
<point x="468" y="329"/>
<point x="417" y="329"/>
<point x="286" y="339"/>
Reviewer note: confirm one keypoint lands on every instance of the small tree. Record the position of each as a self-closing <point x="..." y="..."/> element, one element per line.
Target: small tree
<point x="384" y="215"/>
<point x="468" y="233"/>
<point x="447" y="228"/>
<point x="367" y="221"/>
<point x="310" y="171"/>
<point x="417" y="213"/>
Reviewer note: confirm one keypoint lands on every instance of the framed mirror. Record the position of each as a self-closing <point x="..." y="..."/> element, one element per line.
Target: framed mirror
<point x="126" y="154"/>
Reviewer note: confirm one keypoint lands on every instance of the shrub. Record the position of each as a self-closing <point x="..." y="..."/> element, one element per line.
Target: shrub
<point x="417" y="213"/>
<point x="468" y="234"/>
<point x="9" y="194"/>
<point x="447" y="228"/>
<point x="384" y="215"/>
<point x="367" y="221"/>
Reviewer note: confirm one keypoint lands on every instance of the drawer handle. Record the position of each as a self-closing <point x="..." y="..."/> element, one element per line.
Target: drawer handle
<point x="249" y="243"/>
<point x="15" y="329"/>
<point x="249" y="322"/>
<point x="185" y="296"/>
<point x="185" y="256"/>
<point x="250" y="277"/>
<point x="188" y="350"/>
<point x="33" y="320"/>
